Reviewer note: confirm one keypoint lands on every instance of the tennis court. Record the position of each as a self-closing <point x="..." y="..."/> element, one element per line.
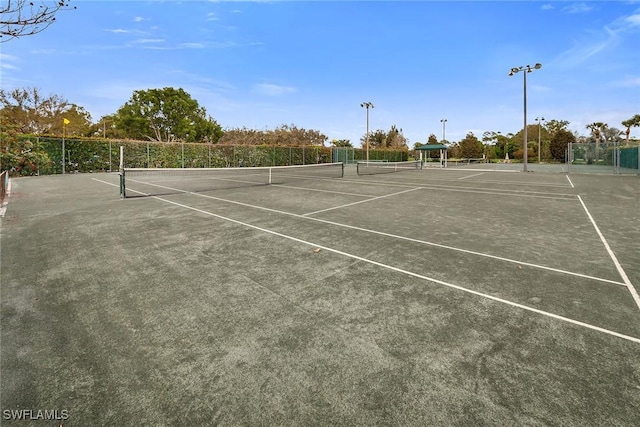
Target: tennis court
<point x="456" y="296"/>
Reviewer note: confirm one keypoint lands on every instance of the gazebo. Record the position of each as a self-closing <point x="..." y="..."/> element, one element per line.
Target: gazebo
<point x="433" y="147"/>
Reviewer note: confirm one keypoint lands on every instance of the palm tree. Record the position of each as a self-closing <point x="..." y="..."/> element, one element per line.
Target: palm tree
<point x="596" y="129"/>
<point x="633" y="121"/>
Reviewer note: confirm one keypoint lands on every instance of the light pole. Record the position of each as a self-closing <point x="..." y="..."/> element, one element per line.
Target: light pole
<point x="539" y="119"/>
<point x="443" y="162"/>
<point x="367" y="105"/>
<point x="527" y="69"/>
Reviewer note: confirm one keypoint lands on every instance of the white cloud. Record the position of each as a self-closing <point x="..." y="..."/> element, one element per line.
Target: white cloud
<point x="547" y="7"/>
<point x="4" y="58"/>
<point x="192" y="45"/>
<point x="146" y="41"/>
<point x="138" y="19"/>
<point x="211" y="16"/>
<point x="6" y="66"/>
<point x="272" y="89"/>
<point x="118" y="31"/>
<point x="577" y="8"/>
<point x="633" y="20"/>
<point x="628" y="82"/>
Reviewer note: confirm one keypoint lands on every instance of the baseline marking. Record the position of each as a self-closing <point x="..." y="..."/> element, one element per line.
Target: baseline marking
<point x="409" y="273"/>
<point x="624" y="276"/>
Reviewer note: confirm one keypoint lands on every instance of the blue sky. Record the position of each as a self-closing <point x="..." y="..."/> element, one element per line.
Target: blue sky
<point x="262" y="64"/>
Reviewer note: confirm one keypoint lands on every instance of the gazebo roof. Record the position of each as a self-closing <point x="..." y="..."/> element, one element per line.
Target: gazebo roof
<point x="432" y="147"/>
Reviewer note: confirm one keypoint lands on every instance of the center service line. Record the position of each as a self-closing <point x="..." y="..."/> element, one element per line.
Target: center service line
<point x="471" y="176"/>
<point x="362" y="201"/>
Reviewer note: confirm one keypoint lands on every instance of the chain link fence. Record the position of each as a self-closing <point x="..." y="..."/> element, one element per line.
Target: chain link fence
<point x="71" y="155"/>
<point x="604" y="157"/>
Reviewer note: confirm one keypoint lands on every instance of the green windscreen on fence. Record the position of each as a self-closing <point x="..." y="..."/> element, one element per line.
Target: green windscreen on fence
<point x="630" y="158"/>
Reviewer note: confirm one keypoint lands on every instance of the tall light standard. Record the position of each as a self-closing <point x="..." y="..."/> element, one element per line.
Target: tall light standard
<point x="527" y="69"/>
<point x="367" y="105"/>
<point x="443" y="153"/>
<point x="539" y="119"/>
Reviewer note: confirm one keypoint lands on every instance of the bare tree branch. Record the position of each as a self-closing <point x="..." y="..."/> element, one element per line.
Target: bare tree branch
<point x="19" y="18"/>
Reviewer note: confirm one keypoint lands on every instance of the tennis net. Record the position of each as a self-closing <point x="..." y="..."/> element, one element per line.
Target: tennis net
<point x="136" y="182"/>
<point x="373" y="168"/>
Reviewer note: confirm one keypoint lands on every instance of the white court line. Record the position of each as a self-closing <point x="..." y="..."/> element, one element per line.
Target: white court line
<point x="380" y="233"/>
<point x="464" y="169"/>
<point x="481" y="181"/>
<point x="471" y="176"/>
<point x="624" y="276"/>
<point x="569" y="179"/>
<point x="361" y="201"/>
<point x="409" y="273"/>
<point x="323" y="191"/>
<point x="473" y="190"/>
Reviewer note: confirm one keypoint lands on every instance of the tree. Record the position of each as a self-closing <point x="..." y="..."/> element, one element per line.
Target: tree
<point x="629" y="123"/>
<point x="377" y="139"/>
<point x="471" y="147"/>
<point x="18" y="155"/>
<point x="597" y="128"/>
<point x="433" y="140"/>
<point x="341" y="143"/>
<point x="289" y="135"/>
<point x="166" y="115"/>
<point x="292" y="135"/>
<point x="559" y="143"/>
<point x="242" y="136"/>
<point x="392" y="139"/>
<point x="20" y="18"/>
<point x="32" y="113"/>
<point x="395" y="139"/>
<point x="554" y="126"/>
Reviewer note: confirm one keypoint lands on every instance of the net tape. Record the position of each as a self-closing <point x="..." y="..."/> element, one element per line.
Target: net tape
<point x="373" y="168"/>
<point x="136" y="182"/>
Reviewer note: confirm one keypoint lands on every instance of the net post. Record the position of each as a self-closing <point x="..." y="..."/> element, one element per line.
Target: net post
<point x="123" y="193"/>
<point x="270" y="169"/>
